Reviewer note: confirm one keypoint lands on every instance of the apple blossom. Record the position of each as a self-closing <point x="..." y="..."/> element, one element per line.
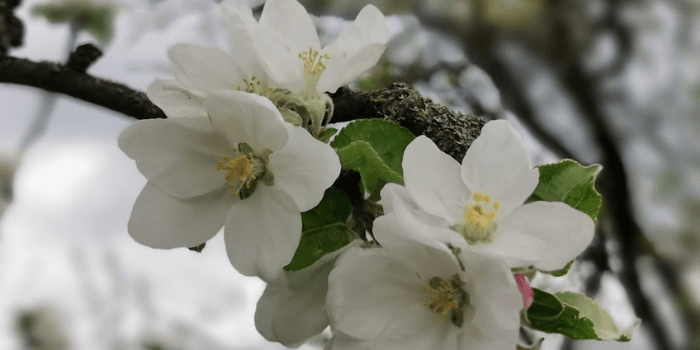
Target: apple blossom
<point x="293" y="307"/>
<point x="279" y="57"/>
<point x="480" y="203"/>
<point x="242" y="166"/>
<point x="407" y="295"/>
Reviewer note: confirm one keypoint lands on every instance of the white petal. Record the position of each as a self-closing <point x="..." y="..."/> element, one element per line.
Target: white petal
<point x="496" y="301"/>
<point x="289" y="21"/>
<point x="262" y="233"/>
<point x="418" y="245"/>
<point x="241" y="27"/>
<point x="174" y="100"/>
<point x="267" y="306"/>
<point x="420" y="329"/>
<point x="498" y="164"/>
<point x="304" y="168"/>
<point x="516" y="248"/>
<point x="368" y="290"/>
<point x="248" y="118"/>
<point x="285" y="30"/>
<point x="176" y="155"/>
<point x="342" y="341"/>
<point x="205" y="68"/>
<point x="159" y="220"/>
<point x="393" y="195"/>
<point x="433" y="179"/>
<point x="282" y="66"/>
<point x="397" y="198"/>
<point x="565" y="231"/>
<point x="417" y="329"/>
<point x="473" y="340"/>
<point x="356" y="50"/>
<point x="301" y="314"/>
<point x="293" y="307"/>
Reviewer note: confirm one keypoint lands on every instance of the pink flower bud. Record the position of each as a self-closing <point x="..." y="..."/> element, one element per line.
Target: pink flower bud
<point x="525" y="290"/>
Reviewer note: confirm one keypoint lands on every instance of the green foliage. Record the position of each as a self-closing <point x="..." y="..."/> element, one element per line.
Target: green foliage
<point x="380" y="76"/>
<point x="96" y="19"/>
<point x="374" y="148"/>
<point x="571" y="183"/>
<point x="323" y="229"/>
<point x="573" y="315"/>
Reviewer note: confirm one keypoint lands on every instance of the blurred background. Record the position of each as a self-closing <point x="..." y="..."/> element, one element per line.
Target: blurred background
<point x="613" y="82"/>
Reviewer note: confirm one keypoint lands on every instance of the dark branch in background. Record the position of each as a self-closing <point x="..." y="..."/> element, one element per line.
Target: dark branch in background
<point x="617" y="200"/>
<point x="83" y="57"/>
<point x="11" y="28"/>
<point x="66" y="80"/>
<point x="481" y="43"/>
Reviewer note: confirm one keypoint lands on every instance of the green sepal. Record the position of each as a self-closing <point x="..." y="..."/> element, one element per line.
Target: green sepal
<point x="561" y="272"/>
<point x="198" y="248"/>
<point x="245" y="149"/>
<point x="247" y="191"/>
<point x="326" y="134"/>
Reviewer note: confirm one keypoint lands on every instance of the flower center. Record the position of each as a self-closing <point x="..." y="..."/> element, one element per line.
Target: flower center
<point x="245" y="169"/>
<point x="254" y="86"/>
<point x="313" y="68"/>
<point x="480" y="219"/>
<point x="447" y="298"/>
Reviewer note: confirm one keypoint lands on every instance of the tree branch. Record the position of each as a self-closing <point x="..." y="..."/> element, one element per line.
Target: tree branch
<point x="62" y="79"/>
<point x="453" y="132"/>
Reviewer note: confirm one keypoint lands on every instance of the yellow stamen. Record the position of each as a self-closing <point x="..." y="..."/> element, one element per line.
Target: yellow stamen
<point x="313" y="61"/>
<point x="480" y="219"/>
<point x="240" y="172"/>
<point x="442" y="300"/>
<point x="313" y="68"/>
<point x="476" y="212"/>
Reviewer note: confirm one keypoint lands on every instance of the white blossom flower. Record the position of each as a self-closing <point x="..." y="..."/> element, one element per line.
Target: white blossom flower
<point x="279" y="57"/>
<point x="480" y="203"/>
<point x="289" y="50"/>
<point x="408" y="295"/>
<point x="293" y="307"/>
<point x="246" y="168"/>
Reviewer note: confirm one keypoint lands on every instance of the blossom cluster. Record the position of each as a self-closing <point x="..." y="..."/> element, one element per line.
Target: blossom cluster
<point x="240" y="149"/>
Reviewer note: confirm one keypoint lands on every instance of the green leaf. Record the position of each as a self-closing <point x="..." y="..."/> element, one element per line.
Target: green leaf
<point x="99" y="22"/>
<point x="573" y="315"/>
<point x="374" y="148"/>
<point x="360" y="156"/>
<point x="604" y="326"/>
<point x="96" y="19"/>
<point x="544" y="306"/>
<point x="551" y="316"/>
<point x="571" y="183"/>
<point x="323" y="229"/>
